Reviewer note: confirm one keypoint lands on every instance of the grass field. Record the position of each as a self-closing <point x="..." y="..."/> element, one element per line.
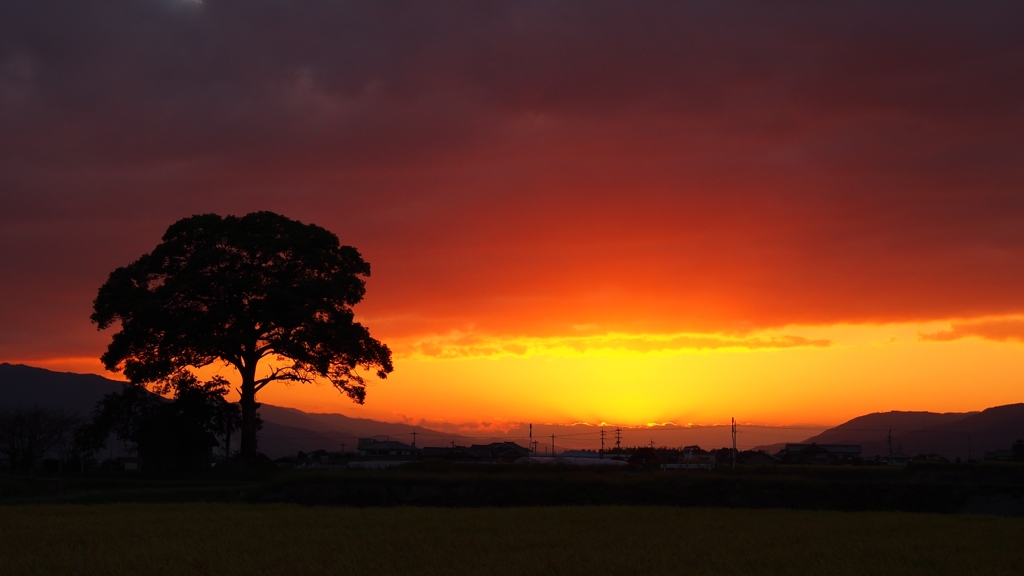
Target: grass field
<point x="289" y="539"/>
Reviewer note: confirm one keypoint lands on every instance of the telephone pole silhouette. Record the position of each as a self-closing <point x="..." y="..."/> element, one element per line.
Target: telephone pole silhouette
<point x="601" y="454"/>
<point x="552" y="444"/>
<point x="413" y="438"/>
<point x="531" y="440"/>
<point x="733" y="444"/>
<point x="618" y="439"/>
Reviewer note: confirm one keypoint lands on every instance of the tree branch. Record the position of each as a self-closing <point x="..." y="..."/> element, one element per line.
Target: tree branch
<point x="291" y="373"/>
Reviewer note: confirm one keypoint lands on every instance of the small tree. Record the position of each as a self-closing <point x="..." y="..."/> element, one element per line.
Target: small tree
<point x="237" y="290"/>
<point x="169" y="433"/>
<point x="28" y="434"/>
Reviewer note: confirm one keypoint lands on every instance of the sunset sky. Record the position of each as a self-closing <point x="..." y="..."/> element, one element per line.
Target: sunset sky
<point x="787" y="212"/>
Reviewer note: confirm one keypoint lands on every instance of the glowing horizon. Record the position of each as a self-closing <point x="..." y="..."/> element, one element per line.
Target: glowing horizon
<point x="824" y="376"/>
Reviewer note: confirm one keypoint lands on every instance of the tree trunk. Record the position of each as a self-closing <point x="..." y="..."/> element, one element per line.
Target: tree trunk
<point x="249" y="406"/>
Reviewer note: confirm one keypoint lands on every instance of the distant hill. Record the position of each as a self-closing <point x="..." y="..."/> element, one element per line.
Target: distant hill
<point x="22" y="385"/>
<point x="952" y="434"/>
<point x="285" y="430"/>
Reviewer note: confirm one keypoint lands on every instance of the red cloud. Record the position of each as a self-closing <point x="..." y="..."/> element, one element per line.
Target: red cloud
<point x="521" y="168"/>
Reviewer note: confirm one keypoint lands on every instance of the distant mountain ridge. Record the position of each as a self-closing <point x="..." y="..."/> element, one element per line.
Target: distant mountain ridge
<point x="288" y="430"/>
<point x="952" y="435"/>
<point x="285" y="430"/>
<point x="22" y="385"/>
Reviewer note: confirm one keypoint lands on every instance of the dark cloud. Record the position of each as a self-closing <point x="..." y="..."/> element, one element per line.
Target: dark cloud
<point x="520" y="167"/>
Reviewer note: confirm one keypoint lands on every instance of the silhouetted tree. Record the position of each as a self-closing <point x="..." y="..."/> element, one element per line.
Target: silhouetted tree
<point x="28" y="434"/>
<point x="169" y="433"/>
<point x="237" y="290"/>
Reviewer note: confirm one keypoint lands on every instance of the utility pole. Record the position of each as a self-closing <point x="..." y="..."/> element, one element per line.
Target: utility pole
<point x="552" y="445"/>
<point x="618" y="439"/>
<point x="342" y="447"/>
<point x="413" y="438"/>
<point x="531" y="439"/>
<point x="601" y="454"/>
<point x="733" y="444"/>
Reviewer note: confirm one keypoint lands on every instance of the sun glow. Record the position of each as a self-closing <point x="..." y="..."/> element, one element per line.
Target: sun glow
<point x="797" y="375"/>
<point x="863" y="368"/>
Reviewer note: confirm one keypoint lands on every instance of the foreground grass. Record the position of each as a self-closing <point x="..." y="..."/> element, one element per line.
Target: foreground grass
<point x="288" y="539"/>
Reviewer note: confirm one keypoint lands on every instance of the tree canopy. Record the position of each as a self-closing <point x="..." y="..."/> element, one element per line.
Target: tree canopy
<point x="237" y="290"/>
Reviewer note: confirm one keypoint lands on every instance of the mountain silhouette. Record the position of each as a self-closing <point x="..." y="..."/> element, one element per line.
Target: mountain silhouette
<point x="952" y="434"/>
<point x="288" y="430"/>
<point x="285" y="430"/>
<point x="26" y="386"/>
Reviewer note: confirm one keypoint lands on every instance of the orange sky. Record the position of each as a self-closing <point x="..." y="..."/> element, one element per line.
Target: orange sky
<point x="574" y="212"/>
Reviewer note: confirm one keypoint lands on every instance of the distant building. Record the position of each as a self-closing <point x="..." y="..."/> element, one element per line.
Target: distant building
<point x="373" y="454"/>
<point x="692" y="458"/>
<point x="932" y="457"/>
<point x="898" y="459"/>
<point x="391" y="449"/>
<point x="580" y="454"/>
<point x="507" y="452"/>
<point x="819" y="453"/>
<point x="760" y="459"/>
<point x="503" y="452"/>
<point x="999" y="455"/>
<point x="1016" y="453"/>
<point x="450" y="454"/>
<point x="589" y="461"/>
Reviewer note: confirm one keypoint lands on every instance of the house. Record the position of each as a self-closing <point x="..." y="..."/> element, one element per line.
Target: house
<point x="128" y="462"/>
<point x="999" y="455"/>
<point x="499" y="451"/>
<point x="589" y="461"/>
<point x="460" y="454"/>
<point x="387" y="450"/>
<point x="819" y="453"/>
<point x="1016" y="453"/>
<point x="760" y="458"/>
<point x="582" y="454"/>
<point x="898" y="459"/>
<point x="477" y="453"/>
<point x="692" y="458"/>
<point x="375" y="454"/>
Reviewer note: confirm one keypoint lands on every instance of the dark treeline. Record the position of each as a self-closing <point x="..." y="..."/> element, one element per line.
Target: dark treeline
<point x="173" y="426"/>
<point x="28" y="435"/>
<point x="175" y="429"/>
